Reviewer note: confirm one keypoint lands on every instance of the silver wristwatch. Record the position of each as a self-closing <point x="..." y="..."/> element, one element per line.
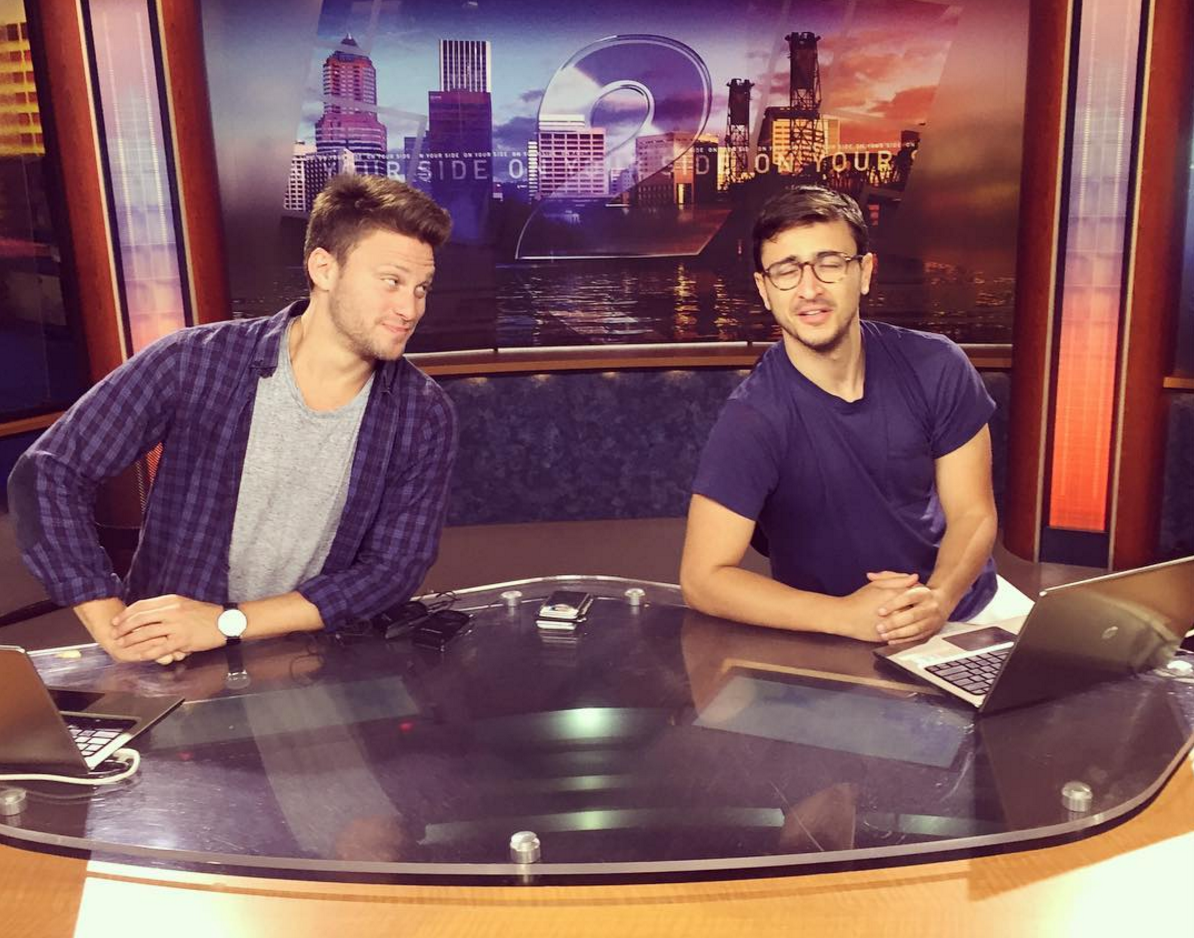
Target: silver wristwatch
<point x="232" y="623"/>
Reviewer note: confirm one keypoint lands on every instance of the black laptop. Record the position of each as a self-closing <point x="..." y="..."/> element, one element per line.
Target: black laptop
<point x="64" y="732"/>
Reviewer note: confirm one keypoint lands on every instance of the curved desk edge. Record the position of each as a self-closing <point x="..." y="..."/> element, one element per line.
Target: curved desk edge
<point x="1123" y="879"/>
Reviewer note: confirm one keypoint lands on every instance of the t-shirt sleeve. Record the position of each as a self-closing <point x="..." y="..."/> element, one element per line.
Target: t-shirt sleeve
<point x="961" y="404"/>
<point x="739" y="467"/>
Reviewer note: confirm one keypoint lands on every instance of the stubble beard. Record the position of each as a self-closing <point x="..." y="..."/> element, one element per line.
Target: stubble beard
<point x="357" y="335"/>
<point x="826" y="345"/>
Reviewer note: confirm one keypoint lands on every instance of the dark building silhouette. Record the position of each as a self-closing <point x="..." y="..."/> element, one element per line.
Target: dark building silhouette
<point x="795" y="135"/>
<point x="738" y="130"/>
<point x="704" y="170"/>
<point x="458" y="148"/>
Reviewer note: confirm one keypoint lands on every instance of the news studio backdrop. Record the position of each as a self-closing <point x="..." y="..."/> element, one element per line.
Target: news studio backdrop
<point x="603" y="163"/>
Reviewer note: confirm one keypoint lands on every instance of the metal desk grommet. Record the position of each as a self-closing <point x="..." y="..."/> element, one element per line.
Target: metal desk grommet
<point x="1077" y="797"/>
<point x="525" y="847"/>
<point x="634" y="596"/>
<point x="512" y="599"/>
<point x="12" y="801"/>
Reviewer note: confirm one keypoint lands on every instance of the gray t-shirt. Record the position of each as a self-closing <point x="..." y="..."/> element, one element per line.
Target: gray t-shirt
<point x="293" y="486"/>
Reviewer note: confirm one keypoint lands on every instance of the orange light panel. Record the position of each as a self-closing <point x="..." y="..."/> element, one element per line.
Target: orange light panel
<point x="1092" y="287"/>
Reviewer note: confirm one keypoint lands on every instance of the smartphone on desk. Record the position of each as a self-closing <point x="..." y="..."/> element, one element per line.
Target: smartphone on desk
<point x="564" y="610"/>
<point x="440" y="628"/>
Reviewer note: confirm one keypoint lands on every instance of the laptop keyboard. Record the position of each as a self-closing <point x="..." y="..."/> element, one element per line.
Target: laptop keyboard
<point x="90" y="736"/>
<point x="975" y="674"/>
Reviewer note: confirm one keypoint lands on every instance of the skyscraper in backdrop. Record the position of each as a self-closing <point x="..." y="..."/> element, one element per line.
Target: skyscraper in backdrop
<point x="349" y="119"/>
<point x="464" y="65"/>
<point x="459" y="142"/>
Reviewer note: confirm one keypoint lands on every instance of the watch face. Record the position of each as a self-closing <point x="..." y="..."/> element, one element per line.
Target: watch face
<point x="232" y="623"/>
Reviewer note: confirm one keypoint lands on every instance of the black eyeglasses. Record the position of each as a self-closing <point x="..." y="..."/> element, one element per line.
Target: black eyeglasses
<point x="829" y="267"/>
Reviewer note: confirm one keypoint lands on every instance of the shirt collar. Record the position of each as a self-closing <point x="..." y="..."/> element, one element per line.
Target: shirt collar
<point x="265" y="359"/>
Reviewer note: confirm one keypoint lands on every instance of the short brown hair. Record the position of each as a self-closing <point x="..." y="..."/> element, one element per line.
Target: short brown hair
<point x="806" y="205"/>
<point x="350" y="207"/>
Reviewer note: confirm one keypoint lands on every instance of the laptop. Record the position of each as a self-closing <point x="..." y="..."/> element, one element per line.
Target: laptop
<point x="65" y="732"/>
<point x="1075" y="636"/>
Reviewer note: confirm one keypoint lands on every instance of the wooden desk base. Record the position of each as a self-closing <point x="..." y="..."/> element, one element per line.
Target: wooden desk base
<point x="1131" y="880"/>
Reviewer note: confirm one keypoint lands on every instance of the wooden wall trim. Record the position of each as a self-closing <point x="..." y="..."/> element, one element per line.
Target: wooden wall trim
<point x="26" y="424"/>
<point x="524" y="361"/>
<point x="1154" y="287"/>
<point x="66" y="87"/>
<point x="614" y="358"/>
<point x="189" y="113"/>
<point x="1037" y="254"/>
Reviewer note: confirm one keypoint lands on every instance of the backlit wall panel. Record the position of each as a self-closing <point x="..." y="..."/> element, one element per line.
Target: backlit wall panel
<point x="142" y="201"/>
<point x="1092" y="291"/>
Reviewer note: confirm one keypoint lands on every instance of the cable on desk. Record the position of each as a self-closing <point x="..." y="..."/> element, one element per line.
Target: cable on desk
<point x="130" y="757"/>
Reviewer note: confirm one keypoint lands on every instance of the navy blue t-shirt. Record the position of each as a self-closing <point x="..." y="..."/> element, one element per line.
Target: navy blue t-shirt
<point x="840" y="488"/>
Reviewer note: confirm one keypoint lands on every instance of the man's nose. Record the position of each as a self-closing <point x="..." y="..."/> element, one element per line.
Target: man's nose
<point x="809" y="286"/>
<point x="407" y="305"/>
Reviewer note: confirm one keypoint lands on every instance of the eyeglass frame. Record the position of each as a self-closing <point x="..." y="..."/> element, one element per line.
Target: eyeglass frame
<point x="812" y="265"/>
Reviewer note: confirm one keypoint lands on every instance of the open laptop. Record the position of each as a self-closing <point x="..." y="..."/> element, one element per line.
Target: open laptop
<point x="1076" y="635"/>
<point x="65" y="732"/>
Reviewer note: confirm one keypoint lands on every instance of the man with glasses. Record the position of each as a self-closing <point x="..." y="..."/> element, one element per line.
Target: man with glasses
<point x="856" y="455"/>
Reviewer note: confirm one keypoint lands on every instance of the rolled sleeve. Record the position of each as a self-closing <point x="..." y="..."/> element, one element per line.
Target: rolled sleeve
<point x="53" y="486"/>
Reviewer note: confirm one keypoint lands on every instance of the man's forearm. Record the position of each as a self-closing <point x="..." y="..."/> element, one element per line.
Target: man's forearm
<point x="964" y="551"/>
<point x="97" y="615"/>
<point x="277" y="615"/>
<point x="167" y="628"/>
<point x="734" y="593"/>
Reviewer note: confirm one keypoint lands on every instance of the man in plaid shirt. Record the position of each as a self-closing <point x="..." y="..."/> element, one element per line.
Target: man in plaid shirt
<point x="304" y="466"/>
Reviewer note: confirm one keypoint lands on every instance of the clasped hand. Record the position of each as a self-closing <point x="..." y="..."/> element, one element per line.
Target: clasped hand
<point x="165" y="629"/>
<point x="894" y="608"/>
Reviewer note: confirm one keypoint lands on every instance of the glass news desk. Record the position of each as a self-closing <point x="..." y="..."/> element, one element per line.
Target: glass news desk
<point x="654" y="742"/>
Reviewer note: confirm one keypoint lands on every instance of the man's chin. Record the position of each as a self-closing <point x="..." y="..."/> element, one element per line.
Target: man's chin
<point x="821" y="339"/>
<point x="390" y="354"/>
<point x="390" y="351"/>
<point x="817" y="340"/>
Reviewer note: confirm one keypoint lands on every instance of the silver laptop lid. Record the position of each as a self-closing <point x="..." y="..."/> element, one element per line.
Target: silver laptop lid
<point x="32" y="731"/>
<point x="1092" y="630"/>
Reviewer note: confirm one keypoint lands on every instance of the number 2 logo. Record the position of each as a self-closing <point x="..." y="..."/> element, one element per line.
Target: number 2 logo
<point x="582" y="140"/>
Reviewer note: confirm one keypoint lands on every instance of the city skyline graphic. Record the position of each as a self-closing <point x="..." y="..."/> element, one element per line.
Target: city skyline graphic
<point x="637" y="144"/>
<point x="629" y="86"/>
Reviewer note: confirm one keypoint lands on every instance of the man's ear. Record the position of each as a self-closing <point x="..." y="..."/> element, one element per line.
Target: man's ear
<point x="868" y="271"/>
<point x="322" y="268"/>
<point x="761" y="286"/>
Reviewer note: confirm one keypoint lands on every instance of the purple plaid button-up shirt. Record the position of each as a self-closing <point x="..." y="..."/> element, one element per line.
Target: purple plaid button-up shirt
<point x="193" y="392"/>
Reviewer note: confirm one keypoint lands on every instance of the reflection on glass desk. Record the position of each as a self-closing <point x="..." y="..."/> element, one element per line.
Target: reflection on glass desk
<point x="651" y="741"/>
